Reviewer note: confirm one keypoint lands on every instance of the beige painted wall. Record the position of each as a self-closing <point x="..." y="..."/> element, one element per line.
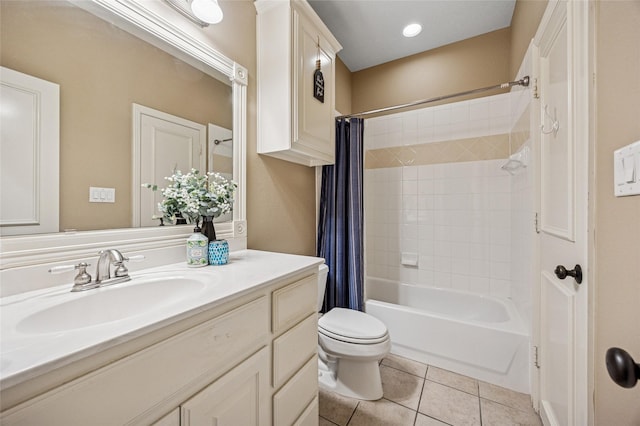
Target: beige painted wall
<point x="343" y="88"/>
<point x="101" y="71"/>
<point x="465" y="65"/>
<point x="280" y="195"/>
<point x="617" y="220"/>
<point x="524" y="24"/>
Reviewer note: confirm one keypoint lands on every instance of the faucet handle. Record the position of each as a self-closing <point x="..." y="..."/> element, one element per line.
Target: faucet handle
<point x="82" y="266"/>
<point x="82" y="280"/>
<point x="136" y="258"/>
<point x="83" y="277"/>
<point x="62" y="268"/>
<point x="121" y="270"/>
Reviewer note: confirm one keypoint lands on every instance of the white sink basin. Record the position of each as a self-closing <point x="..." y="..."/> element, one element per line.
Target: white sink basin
<point x="140" y="296"/>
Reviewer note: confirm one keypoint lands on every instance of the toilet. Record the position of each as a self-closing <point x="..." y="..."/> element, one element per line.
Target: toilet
<point x="350" y="346"/>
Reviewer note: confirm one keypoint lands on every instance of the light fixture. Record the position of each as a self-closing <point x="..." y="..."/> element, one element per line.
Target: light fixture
<point x="207" y="10"/>
<point x="412" y="30"/>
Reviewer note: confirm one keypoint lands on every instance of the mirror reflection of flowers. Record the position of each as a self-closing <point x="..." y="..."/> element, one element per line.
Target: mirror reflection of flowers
<point x="195" y="195"/>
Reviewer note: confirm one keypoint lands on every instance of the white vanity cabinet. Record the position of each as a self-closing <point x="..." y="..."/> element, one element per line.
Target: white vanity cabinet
<point x="251" y="360"/>
<point x="293" y="124"/>
<point x="237" y="398"/>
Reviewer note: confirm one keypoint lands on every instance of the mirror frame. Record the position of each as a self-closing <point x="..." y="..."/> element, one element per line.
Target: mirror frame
<point x="159" y="30"/>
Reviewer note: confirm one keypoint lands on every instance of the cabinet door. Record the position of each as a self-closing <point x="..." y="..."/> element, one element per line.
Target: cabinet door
<point x="171" y="419"/>
<point x="240" y="397"/>
<point x="314" y="128"/>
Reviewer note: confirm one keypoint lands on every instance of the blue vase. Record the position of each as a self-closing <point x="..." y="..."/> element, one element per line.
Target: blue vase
<point x="218" y="252"/>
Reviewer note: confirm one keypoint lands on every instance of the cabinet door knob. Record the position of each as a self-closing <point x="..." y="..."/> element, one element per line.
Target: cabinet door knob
<point x="622" y="368"/>
<point x="562" y="273"/>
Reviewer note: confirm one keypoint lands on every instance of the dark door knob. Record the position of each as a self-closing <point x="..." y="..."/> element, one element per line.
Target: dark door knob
<point x="562" y="273"/>
<point x="622" y="368"/>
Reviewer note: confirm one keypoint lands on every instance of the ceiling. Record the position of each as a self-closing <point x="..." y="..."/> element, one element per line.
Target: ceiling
<point x="370" y="31"/>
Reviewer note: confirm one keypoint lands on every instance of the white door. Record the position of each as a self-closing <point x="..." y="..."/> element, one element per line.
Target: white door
<point x="162" y="143"/>
<point x="29" y="154"/>
<point x="563" y="136"/>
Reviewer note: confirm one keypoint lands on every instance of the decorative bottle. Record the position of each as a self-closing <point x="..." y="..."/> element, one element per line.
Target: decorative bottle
<point x="197" y="249"/>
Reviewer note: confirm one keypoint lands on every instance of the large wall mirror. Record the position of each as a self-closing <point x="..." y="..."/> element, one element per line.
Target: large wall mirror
<point x="113" y="59"/>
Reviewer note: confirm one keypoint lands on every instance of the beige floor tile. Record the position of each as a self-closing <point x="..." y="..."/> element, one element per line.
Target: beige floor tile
<point x="407" y="365"/>
<point x="423" y="420"/>
<point x="324" y="422"/>
<point x="454" y="380"/>
<point x="400" y="387"/>
<point x="504" y="396"/>
<point x="382" y="413"/>
<point x="336" y="408"/>
<point x="495" y="414"/>
<point x="449" y="405"/>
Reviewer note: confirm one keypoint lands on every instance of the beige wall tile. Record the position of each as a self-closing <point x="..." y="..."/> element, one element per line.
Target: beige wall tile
<point x="454" y="151"/>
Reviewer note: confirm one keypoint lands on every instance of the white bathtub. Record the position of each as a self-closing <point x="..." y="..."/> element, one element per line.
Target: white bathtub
<point x="478" y="336"/>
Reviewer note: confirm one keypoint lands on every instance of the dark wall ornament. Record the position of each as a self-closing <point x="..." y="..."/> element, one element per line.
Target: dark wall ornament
<point x="318" y="83"/>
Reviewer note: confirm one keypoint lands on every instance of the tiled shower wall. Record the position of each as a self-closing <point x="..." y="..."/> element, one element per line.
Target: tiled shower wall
<point x="438" y="207"/>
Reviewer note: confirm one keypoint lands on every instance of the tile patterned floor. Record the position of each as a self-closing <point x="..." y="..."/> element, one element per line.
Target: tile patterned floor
<point x="419" y="395"/>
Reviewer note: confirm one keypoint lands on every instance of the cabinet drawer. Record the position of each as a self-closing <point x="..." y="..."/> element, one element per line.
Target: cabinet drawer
<point x="293" y="349"/>
<point x="294" y="302"/>
<point x="290" y="402"/>
<point x="154" y="378"/>
<point x="310" y="415"/>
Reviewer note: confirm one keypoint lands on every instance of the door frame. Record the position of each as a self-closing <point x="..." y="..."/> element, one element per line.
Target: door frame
<point x="580" y="28"/>
<point x="138" y="112"/>
<point x="42" y="167"/>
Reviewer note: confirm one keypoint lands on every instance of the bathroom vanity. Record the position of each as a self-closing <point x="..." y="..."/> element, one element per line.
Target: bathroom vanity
<point x="239" y="347"/>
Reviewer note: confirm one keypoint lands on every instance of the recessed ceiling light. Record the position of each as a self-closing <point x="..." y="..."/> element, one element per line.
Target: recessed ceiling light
<point x="412" y="30"/>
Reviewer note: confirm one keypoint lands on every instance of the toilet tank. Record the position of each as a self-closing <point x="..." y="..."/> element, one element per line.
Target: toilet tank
<point x="323" y="272"/>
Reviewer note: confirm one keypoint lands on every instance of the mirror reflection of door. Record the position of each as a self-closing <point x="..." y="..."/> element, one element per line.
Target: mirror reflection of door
<point x="171" y="143"/>
<point x="29" y="150"/>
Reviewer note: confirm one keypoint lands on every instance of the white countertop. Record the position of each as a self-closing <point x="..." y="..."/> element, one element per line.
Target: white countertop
<point x="25" y="355"/>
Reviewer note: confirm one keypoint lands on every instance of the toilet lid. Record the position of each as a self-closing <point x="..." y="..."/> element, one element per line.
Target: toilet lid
<point x="350" y="325"/>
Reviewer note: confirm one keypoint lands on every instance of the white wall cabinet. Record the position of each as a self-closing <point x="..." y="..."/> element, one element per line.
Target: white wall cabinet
<point x="222" y="366"/>
<point x="294" y="125"/>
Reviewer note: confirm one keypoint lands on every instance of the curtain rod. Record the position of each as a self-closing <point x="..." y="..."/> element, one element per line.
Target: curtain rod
<point x="522" y="82"/>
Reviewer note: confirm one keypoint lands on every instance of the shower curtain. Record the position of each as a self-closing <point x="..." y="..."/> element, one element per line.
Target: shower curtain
<point x="341" y="221"/>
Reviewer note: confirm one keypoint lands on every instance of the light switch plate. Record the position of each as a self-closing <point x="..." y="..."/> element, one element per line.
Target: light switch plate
<point x="626" y="170"/>
<point x="102" y="195"/>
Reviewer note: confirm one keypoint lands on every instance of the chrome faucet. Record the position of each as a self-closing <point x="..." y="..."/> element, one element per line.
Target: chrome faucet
<point x="103" y="268"/>
<point x="83" y="282"/>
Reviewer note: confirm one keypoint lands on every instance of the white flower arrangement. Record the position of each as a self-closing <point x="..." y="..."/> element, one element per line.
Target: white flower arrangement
<point x="195" y="195"/>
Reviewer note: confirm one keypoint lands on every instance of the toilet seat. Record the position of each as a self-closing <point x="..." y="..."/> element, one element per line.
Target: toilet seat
<point x="352" y="326"/>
